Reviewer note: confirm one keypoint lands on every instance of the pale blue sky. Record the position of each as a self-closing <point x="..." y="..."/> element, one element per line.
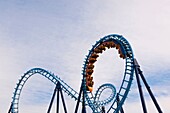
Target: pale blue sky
<point x="57" y="34"/>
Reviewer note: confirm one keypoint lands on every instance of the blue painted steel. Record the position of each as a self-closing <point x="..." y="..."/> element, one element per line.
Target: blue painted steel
<point x="127" y="78"/>
<point x="99" y="92"/>
<point x="90" y="100"/>
<point x="55" y="79"/>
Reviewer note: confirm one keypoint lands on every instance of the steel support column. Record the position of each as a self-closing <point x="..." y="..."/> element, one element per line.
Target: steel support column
<point x="52" y="100"/>
<point x="57" y="89"/>
<point x="139" y="86"/>
<point x="149" y="91"/>
<point x="79" y="100"/>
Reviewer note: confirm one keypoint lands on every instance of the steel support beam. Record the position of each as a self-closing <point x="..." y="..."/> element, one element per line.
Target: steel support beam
<point x="57" y="89"/>
<point x="52" y="100"/>
<point x="140" y="86"/>
<point x="139" y="73"/>
<point x="149" y="91"/>
<point x="79" y="100"/>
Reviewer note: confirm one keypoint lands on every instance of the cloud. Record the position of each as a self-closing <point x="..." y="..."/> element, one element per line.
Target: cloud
<point x="57" y="35"/>
<point x="162" y="101"/>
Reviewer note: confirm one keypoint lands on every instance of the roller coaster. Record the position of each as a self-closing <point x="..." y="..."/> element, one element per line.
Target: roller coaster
<point x="85" y="96"/>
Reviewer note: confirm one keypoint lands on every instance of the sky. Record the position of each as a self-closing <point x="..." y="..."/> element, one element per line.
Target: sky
<point x="56" y="35"/>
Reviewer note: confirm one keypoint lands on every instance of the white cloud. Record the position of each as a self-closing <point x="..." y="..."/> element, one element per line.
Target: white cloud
<point x="136" y="106"/>
<point x="57" y="36"/>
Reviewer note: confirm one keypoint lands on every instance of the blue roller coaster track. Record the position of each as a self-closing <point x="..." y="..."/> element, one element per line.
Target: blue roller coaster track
<point x="116" y="98"/>
<point x="125" y="50"/>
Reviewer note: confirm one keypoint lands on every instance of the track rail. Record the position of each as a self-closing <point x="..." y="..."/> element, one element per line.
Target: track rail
<point x="53" y="78"/>
<point x="125" y="51"/>
<point x="100" y="91"/>
<point x="94" y="102"/>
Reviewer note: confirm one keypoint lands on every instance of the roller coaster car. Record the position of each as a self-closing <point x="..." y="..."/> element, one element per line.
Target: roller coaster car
<point x="117" y="46"/>
<point x="109" y="44"/>
<point x="90" y="66"/>
<point x="97" y="50"/>
<point x="89" y="83"/>
<point x="87" y="75"/>
<point x="94" y="55"/>
<point x="90" y="88"/>
<point x="119" y="51"/>
<point x="112" y="44"/>
<point x="90" y="78"/>
<point x="92" y="60"/>
<point x="122" y="56"/>
<point x="89" y="71"/>
<point x="101" y="47"/>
